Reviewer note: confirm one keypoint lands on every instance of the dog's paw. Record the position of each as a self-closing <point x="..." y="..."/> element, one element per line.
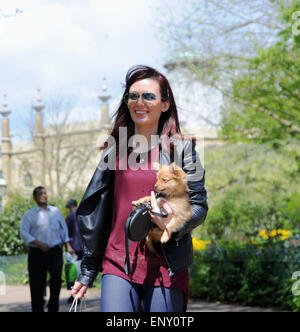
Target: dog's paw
<point x="141" y="201"/>
<point x="165" y="237"/>
<point x="135" y="204"/>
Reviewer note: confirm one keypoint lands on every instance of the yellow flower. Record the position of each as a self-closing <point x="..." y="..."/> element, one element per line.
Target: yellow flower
<point x="196" y="244"/>
<point x="284" y="234"/>
<point x="273" y="233"/>
<point x="263" y="233"/>
<point x="281" y="233"/>
<point x="199" y="244"/>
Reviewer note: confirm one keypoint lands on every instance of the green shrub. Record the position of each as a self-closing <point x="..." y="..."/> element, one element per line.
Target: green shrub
<point x="251" y="187"/>
<point x="10" y="241"/>
<point x="251" y="274"/>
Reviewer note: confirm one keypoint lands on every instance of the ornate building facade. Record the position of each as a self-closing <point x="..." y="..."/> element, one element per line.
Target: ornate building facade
<point x="61" y="157"/>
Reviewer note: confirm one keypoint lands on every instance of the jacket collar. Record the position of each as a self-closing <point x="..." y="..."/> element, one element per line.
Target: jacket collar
<point x="102" y="174"/>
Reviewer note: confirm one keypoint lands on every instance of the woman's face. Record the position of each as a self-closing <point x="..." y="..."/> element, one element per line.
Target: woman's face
<point x="145" y="110"/>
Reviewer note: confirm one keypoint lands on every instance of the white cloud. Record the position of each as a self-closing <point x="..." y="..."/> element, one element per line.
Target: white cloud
<point x="65" y="47"/>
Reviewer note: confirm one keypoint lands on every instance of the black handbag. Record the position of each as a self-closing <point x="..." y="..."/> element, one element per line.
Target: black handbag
<point x="137" y="226"/>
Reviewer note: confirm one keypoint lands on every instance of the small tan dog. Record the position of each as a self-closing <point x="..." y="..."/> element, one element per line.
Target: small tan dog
<point x="171" y="184"/>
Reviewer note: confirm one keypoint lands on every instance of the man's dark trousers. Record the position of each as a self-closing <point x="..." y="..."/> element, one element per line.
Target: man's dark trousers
<point x="39" y="263"/>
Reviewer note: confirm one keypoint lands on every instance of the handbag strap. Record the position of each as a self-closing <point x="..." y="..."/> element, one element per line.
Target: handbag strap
<point x="127" y="259"/>
<point x="127" y="266"/>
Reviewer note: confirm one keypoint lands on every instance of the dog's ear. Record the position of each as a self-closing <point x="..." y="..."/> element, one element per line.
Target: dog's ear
<point x="177" y="171"/>
<point x="156" y="166"/>
<point x="174" y="167"/>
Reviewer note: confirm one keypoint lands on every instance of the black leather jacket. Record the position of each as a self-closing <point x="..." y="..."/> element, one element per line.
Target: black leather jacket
<point x="94" y="212"/>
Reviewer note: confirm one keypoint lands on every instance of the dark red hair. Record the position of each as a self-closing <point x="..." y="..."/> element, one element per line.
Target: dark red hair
<point x="168" y="122"/>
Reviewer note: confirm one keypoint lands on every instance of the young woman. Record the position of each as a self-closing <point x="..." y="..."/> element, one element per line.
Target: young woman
<point x="158" y="282"/>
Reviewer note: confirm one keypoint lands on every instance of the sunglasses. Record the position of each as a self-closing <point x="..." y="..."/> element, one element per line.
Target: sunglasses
<point x="148" y="97"/>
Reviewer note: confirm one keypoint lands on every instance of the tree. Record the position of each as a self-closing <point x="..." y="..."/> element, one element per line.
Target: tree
<point x="64" y="161"/>
<point x="214" y="37"/>
<point x="267" y="96"/>
<point x="235" y="46"/>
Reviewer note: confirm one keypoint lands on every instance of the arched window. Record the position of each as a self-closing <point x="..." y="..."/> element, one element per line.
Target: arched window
<point x="27" y="179"/>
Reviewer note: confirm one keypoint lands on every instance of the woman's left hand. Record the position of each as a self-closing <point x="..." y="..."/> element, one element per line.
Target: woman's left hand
<point x="160" y="221"/>
<point x="79" y="289"/>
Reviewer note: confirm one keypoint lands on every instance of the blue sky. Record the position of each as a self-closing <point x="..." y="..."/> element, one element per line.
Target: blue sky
<point x="65" y="47"/>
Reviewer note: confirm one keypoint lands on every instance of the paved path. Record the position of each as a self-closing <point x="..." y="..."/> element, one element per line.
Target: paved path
<point x="17" y="299"/>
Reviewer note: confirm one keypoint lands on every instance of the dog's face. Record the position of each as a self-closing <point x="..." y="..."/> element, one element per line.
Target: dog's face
<point x="171" y="180"/>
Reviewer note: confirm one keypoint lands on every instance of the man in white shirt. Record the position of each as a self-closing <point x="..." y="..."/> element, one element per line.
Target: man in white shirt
<point x="44" y="230"/>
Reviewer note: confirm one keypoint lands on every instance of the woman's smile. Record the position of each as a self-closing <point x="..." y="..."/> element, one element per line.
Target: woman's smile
<point x="140" y="112"/>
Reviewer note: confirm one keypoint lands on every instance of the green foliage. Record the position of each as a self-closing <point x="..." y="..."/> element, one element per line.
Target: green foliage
<point x="258" y="76"/>
<point x="264" y="101"/>
<point x="10" y="241"/>
<point x="231" y="271"/>
<point x="291" y="209"/>
<point x="251" y="187"/>
<point x="15" y="269"/>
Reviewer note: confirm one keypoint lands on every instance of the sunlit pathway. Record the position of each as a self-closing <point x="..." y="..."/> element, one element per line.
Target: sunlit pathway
<point x="17" y="299"/>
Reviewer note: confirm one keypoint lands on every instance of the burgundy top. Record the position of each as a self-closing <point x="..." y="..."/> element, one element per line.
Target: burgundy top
<point x="148" y="269"/>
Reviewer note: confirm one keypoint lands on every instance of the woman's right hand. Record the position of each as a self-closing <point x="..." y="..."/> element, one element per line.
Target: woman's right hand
<point x="79" y="289"/>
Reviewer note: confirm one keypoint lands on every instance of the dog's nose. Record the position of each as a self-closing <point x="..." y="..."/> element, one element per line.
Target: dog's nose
<point x="155" y="187"/>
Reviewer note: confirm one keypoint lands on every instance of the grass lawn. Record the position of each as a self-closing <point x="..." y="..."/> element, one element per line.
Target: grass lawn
<point x="16" y="272"/>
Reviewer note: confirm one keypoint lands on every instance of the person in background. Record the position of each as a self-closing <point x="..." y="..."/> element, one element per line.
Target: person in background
<point x="73" y="228"/>
<point x="44" y="231"/>
<point x="74" y="234"/>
